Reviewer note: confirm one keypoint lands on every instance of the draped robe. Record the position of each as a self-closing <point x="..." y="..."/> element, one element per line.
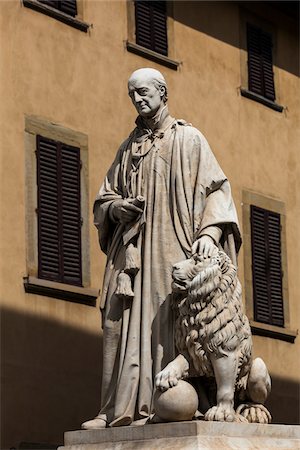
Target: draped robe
<point x="186" y="193"/>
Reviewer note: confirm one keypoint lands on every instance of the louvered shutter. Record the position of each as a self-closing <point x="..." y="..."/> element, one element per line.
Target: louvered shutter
<point x="59" y="212"/>
<point x="260" y="63"/>
<point x="70" y="214"/>
<point x="254" y="60"/>
<point x="48" y="210"/>
<point x="151" y="25"/>
<point x="159" y="17"/>
<point x="274" y="231"/>
<point x="67" y="6"/>
<point x="53" y="3"/>
<point x="267" y="65"/>
<point x="266" y="266"/>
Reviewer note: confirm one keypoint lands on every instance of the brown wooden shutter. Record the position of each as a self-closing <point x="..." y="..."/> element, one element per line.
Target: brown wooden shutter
<point x="267" y="65"/>
<point x="48" y="210"/>
<point x="70" y="214"/>
<point x="260" y="63"/>
<point x="59" y="217"/>
<point x="67" y="6"/>
<point x="266" y="266"/>
<point x="151" y="25"/>
<point x="53" y="3"/>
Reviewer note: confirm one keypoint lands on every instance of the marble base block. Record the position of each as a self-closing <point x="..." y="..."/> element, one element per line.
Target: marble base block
<point x="194" y="435"/>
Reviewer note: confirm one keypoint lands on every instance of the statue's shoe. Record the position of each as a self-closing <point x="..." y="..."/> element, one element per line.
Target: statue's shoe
<point x="94" y="424"/>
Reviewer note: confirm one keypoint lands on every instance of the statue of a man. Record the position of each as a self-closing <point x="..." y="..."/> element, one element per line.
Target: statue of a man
<point x="164" y="198"/>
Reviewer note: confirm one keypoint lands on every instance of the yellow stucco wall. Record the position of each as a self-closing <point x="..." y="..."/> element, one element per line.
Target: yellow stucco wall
<point x="51" y="348"/>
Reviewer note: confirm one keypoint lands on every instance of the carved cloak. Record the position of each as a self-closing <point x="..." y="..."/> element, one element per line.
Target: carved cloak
<point x="186" y="192"/>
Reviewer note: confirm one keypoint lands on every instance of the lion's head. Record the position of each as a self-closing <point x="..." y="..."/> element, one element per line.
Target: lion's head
<point x="198" y="271"/>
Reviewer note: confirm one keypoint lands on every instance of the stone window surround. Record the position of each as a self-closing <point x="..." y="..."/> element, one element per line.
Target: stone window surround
<point x="38" y="126"/>
<point x="247" y="16"/>
<point x="132" y="47"/>
<point x="75" y="22"/>
<point x="258" y="328"/>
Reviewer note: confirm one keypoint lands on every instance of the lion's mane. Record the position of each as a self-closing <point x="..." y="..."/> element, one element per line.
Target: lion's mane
<point x="210" y="316"/>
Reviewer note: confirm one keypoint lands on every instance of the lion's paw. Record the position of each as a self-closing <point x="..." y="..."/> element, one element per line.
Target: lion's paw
<point x="167" y="378"/>
<point x="221" y="413"/>
<point x="254" y="413"/>
<point x="172" y="373"/>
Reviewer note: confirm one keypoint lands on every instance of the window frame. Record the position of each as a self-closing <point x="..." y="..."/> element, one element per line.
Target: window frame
<point x="75" y="22"/>
<point x="35" y="126"/>
<point x="263" y="329"/>
<point x="132" y="47"/>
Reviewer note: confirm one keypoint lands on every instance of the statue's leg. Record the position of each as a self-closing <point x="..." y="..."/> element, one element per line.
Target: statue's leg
<point x="258" y="389"/>
<point x="225" y="370"/>
<point x="259" y="382"/>
<point x="174" y="371"/>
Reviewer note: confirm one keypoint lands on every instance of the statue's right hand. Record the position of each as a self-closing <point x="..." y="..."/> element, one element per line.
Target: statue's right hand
<point x="124" y="211"/>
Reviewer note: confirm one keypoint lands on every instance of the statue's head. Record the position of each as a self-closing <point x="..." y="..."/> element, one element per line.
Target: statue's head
<point x="147" y="89"/>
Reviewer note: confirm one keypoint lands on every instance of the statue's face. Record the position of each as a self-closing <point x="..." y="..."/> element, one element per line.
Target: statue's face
<point x="146" y="98"/>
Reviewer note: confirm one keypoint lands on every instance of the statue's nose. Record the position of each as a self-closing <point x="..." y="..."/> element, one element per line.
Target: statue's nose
<point x="176" y="267"/>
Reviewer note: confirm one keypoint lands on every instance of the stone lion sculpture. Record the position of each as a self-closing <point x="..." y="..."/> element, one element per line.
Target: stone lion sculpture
<point x="214" y="342"/>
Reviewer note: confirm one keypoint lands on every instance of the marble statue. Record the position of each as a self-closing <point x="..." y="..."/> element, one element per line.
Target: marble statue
<point x="213" y="339"/>
<point x="164" y="199"/>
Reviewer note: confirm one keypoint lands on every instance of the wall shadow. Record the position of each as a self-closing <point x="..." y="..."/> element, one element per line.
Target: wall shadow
<point x="219" y="19"/>
<point x="50" y="380"/>
<point x="284" y="401"/>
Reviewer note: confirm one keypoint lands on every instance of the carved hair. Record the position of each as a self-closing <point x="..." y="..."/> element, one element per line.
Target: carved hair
<point x="158" y="82"/>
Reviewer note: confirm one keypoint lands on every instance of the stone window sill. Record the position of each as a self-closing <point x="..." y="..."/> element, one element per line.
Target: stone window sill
<point x="56" y="14"/>
<point x="153" y="56"/>
<point x="263" y="329"/>
<point x="62" y="291"/>
<point x="260" y="99"/>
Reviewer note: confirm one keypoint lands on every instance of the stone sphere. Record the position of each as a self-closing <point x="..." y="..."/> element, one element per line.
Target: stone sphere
<point x="177" y="403"/>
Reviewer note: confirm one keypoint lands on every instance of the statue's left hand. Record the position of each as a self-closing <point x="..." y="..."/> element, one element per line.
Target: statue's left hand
<point x="204" y="246"/>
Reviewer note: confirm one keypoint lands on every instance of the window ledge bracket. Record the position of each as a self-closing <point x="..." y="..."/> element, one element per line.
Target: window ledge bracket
<point x="56" y="14"/>
<point x="150" y="54"/>
<point x="260" y="99"/>
<point x="87" y="296"/>
<point x="263" y="329"/>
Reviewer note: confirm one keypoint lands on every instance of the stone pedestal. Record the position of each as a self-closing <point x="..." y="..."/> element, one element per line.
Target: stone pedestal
<point x="196" y="435"/>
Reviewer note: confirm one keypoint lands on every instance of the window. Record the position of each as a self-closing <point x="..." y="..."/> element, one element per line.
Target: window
<point x="266" y="266"/>
<point x="151" y="25"/>
<point x="260" y="62"/>
<point x="151" y="31"/>
<point x="66" y="6"/>
<point x="59" y="211"/>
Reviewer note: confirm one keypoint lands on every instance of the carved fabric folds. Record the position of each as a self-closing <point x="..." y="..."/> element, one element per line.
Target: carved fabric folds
<point x="185" y="191"/>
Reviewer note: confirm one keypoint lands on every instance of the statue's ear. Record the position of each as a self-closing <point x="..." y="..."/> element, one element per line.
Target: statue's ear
<point x="162" y="91"/>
